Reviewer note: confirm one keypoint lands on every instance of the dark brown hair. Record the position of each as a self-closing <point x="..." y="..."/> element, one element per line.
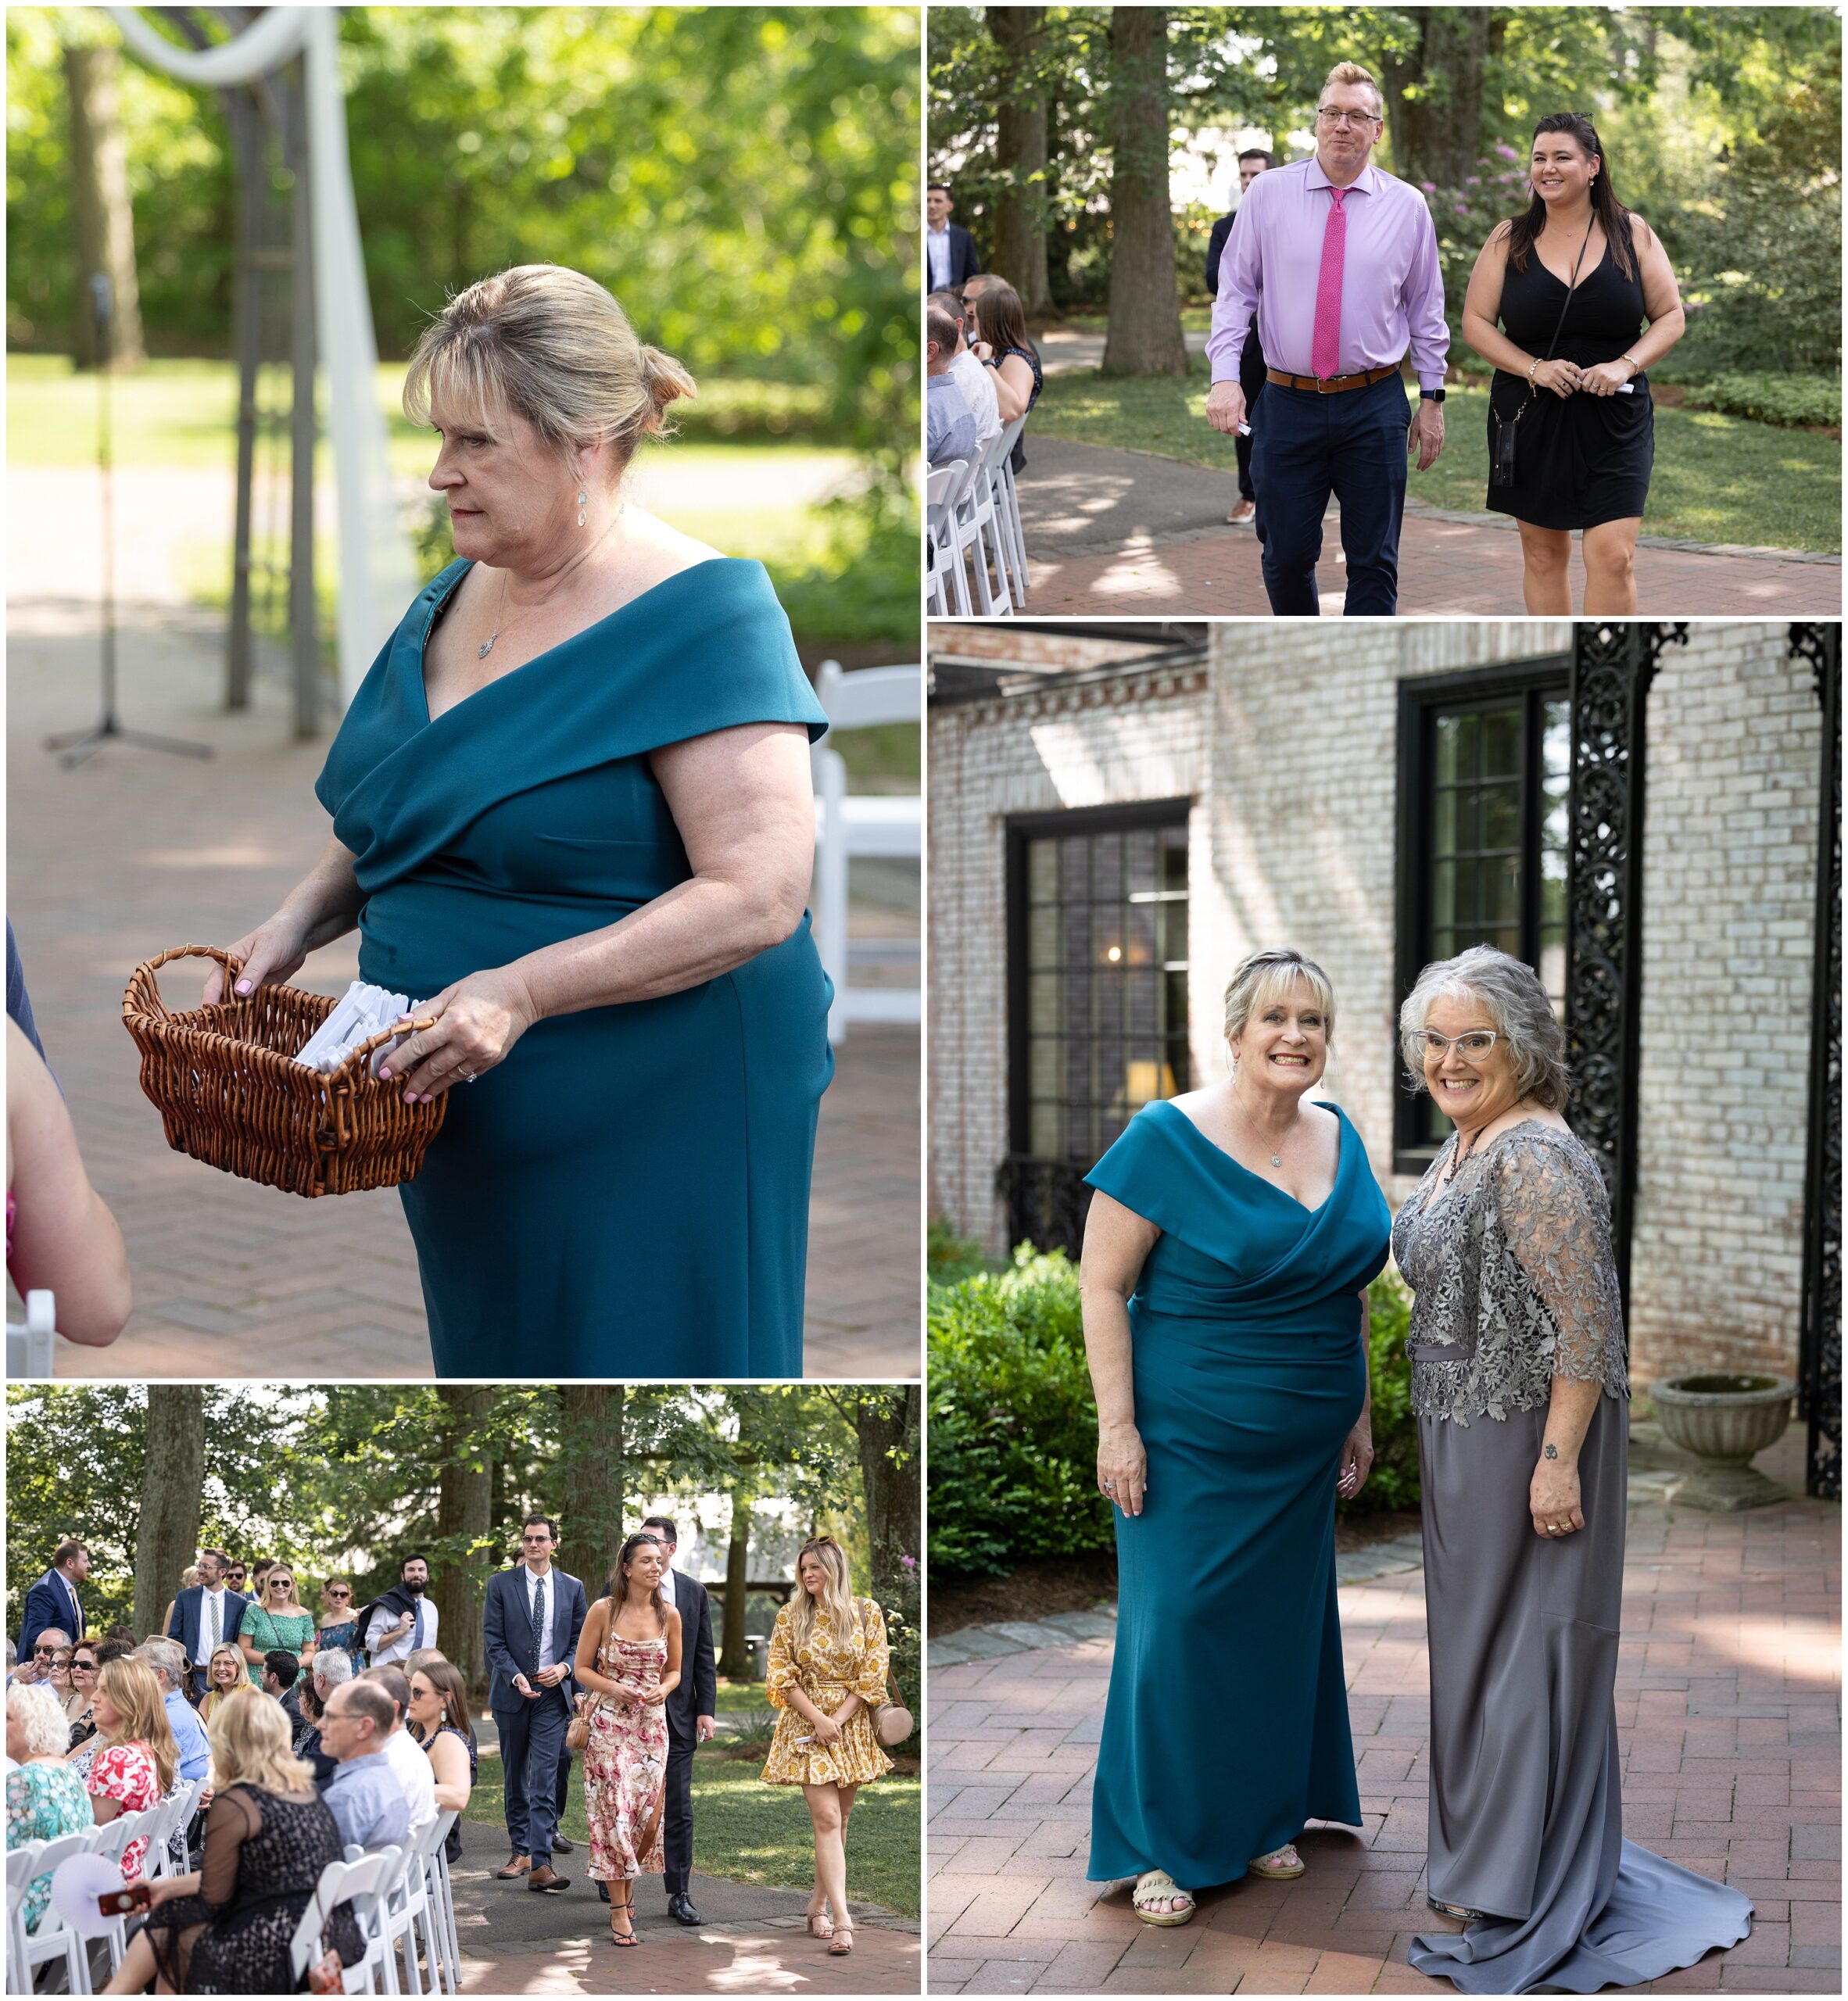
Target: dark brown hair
<point x="1524" y="231"/>
<point x="614" y="1590"/>
<point x="998" y="317"/>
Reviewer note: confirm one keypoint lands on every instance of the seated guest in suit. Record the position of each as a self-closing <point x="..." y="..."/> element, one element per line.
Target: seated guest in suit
<point x="972" y="376"/>
<point x="950" y="430"/>
<point x="949" y="250"/>
<point x="54" y="1599"/>
<point x="692" y="1705"/>
<point x="1250" y="359"/>
<point x="206" y="1616"/>
<point x="531" y="1619"/>
<point x="364" y="1794"/>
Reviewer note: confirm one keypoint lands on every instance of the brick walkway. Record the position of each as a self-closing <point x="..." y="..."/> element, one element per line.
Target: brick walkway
<point x="135" y="851"/>
<point x="1121" y="532"/>
<point x="1728" y="1713"/>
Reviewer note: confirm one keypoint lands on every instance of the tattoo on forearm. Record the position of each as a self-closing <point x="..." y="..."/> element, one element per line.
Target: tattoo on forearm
<point x="1552" y="1452"/>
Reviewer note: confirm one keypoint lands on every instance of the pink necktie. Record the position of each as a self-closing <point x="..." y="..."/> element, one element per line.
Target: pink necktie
<point x="1325" y="349"/>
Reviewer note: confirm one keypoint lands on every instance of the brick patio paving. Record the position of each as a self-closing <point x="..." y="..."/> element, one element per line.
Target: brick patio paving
<point x="1727" y="1712"/>
<point x="135" y="851"/>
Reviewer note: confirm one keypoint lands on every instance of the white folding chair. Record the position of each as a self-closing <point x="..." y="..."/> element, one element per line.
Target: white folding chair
<point x="1007" y="509"/>
<point x="446" y="1909"/>
<point x="50" y="1938"/>
<point x="868" y="825"/>
<point x="976" y="530"/>
<point x="406" y="1905"/>
<point x="363" y="1884"/>
<point x="946" y="558"/>
<point x="112" y="1839"/>
<point x="439" y="1917"/>
<point x="175" y="1811"/>
<point x="30" y="1342"/>
<point x="937" y="489"/>
<point x="22" y="1865"/>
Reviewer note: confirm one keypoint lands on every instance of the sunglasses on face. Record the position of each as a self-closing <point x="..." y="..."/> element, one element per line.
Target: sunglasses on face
<point x="340" y="1592"/>
<point x="82" y="1667"/>
<point x="45" y="1653"/>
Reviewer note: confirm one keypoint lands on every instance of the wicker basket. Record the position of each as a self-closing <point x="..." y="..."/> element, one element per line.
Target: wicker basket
<point x="231" y="1092"/>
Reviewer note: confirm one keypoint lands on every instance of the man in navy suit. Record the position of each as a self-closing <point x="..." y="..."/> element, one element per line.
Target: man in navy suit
<point x="206" y="1615"/>
<point x="530" y="1624"/>
<point x="53" y="1600"/>
<point x="950" y="255"/>
<point x="692" y="1707"/>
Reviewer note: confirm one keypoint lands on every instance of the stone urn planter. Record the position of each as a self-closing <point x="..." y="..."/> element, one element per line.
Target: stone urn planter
<point x="1725" y="1422"/>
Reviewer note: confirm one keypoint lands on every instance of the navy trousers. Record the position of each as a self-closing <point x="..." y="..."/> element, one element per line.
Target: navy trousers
<point x="531" y="1749"/>
<point x="1305" y="446"/>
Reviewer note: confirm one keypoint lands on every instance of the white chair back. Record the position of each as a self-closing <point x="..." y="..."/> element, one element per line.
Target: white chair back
<point x="365" y="1884"/>
<point x="31" y="1342"/>
<point x="50" y="1938"/>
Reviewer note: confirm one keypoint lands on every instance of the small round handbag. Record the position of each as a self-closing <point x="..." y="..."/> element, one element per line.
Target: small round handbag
<point x="892" y="1722"/>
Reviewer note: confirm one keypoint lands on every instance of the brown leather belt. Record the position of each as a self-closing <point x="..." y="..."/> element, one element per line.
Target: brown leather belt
<point x="1335" y="384"/>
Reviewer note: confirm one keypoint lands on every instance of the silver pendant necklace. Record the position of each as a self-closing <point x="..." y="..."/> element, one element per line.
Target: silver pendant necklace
<point x="1277" y="1158"/>
<point x="487" y="646"/>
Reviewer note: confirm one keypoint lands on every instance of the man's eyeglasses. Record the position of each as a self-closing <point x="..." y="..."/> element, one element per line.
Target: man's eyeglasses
<point x="536" y="1538"/>
<point x="1473" y="1047"/>
<point x="1354" y="118"/>
<point x="45" y="1653"/>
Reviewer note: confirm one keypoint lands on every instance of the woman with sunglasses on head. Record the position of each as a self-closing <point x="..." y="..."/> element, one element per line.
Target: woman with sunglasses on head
<point x="1572" y="283"/>
<point x="1520" y="1390"/>
<point x="829" y="1662"/>
<point x="276" y="1619"/>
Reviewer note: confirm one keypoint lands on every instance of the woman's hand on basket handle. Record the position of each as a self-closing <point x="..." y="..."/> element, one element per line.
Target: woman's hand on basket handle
<point x="325" y="905"/>
<point x="478" y="1020"/>
<point x="275" y="949"/>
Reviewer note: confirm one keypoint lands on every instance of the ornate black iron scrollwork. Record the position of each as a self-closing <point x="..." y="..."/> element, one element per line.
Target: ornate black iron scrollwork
<point x="1047" y="1202"/>
<point x="1613" y="666"/>
<point x="1820" y="1358"/>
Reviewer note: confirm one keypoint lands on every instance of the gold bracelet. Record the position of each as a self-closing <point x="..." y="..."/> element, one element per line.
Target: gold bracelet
<point x="1634" y="362"/>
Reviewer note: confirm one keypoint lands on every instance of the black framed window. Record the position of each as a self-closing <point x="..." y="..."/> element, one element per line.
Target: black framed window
<point x="1098" y="957"/>
<point x="1484" y="774"/>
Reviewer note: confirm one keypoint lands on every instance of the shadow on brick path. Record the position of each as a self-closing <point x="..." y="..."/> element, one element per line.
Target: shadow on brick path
<point x="1132" y="533"/>
<point x="134" y="852"/>
<point x="1728" y="1718"/>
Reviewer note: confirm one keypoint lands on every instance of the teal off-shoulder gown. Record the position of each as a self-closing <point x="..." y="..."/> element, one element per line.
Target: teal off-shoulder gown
<point x="1226" y="1725"/>
<point x="627" y="1194"/>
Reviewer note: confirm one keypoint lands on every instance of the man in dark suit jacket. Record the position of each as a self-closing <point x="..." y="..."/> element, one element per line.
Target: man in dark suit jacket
<point x="530" y="1624"/>
<point x="1251" y="377"/>
<point x="949" y="258"/>
<point x="691" y="1707"/>
<point x="202" y="1610"/>
<point x="54" y="1601"/>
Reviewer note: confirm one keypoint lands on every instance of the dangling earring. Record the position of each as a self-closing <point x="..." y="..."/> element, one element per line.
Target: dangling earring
<point x="583" y="502"/>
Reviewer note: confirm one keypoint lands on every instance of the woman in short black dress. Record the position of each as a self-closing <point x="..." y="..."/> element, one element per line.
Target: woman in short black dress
<point x="1584" y="436"/>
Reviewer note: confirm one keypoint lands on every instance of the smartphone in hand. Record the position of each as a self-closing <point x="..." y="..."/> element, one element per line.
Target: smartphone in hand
<point x="127" y="1901"/>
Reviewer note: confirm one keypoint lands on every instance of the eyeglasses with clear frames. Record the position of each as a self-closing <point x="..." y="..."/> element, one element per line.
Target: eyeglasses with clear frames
<point x="1472" y="1045"/>
<point x="1354" y="118"/>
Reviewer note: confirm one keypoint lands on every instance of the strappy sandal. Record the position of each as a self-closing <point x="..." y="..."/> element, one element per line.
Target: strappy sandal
<point x="1461" y="1912"/>
<point x="626" y="1909"/>
<point x="817" y="1919"/>
<point x="1273" y="1867"/>
<point x="1156" y="1886"/>
<point x="840" y="1942"/>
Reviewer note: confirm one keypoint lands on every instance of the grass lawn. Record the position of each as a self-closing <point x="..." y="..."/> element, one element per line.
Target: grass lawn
<point x="750" y="1832"/>
<point x="1716" y="478"/>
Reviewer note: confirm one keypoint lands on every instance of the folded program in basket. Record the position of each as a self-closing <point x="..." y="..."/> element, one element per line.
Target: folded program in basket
<point x="362" y="1012"/>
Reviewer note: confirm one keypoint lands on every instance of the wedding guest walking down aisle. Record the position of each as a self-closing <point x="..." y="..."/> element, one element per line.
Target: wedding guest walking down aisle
<point x="827" y="1672"/>
<point x="572" y="819"/>
<point x="629" y="1658"/>
<point x="1520" y="1390"/>
<point x="1228" y="1251"/>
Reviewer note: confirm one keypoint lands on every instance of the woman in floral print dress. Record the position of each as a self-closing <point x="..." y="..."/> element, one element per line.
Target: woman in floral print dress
<point x="628" y="1661"/>
<point x="829" y="1660"/>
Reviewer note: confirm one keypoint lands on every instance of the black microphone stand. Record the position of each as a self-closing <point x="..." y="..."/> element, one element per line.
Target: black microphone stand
<point x="78" y="744"/>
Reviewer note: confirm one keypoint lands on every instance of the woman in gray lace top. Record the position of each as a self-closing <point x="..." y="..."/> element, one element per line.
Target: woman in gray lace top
<point x="1520" y="1391"/>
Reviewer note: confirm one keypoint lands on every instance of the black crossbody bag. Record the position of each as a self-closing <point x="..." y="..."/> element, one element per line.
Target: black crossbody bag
<point x="1504" y="431"/>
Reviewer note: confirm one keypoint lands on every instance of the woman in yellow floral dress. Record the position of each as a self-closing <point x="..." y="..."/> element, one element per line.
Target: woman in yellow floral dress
<point x="828" y="1664"/>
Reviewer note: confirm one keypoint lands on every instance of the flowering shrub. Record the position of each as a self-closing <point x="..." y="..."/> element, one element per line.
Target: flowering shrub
<point x="1463" y="216"/>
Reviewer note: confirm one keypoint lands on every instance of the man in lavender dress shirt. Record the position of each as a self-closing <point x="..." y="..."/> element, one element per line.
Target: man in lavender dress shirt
<point x="1339" y="264"/>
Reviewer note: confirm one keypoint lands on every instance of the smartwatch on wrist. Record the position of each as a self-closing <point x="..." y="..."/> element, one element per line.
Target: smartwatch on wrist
<point x="1430" y="396"/>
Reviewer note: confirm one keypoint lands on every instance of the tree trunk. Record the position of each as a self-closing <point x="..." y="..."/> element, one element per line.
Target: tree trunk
<point x="173" y="1481"/>
<point x="105" y="217"/>
<point x="1145" y="337"/>
<point x="734" y="1662"/>
<point x="887" y="1423"/>
<point x="464" y="1507"/>
<point x="590" y="1476"/>
<point x="1020" y="207"/>
<point x="1434" y="97"/>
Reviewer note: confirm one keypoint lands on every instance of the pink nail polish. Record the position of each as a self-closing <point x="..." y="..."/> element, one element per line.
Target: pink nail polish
<point x="384" y="1073"/>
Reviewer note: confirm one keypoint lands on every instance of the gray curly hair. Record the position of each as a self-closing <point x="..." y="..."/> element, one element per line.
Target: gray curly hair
<point x="41" y="1718"/>
<point x="1510" y="992"/>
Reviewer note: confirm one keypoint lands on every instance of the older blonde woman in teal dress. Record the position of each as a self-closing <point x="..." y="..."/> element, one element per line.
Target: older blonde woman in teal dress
<point x="572" y="815"/>
<point x="44" y="1797"/>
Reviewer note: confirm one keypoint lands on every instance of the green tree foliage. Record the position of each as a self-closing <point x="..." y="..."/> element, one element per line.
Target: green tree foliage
<point x="348" y="1478"/>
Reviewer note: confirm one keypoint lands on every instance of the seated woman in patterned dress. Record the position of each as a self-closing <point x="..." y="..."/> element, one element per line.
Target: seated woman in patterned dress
<point x="628" y="1665"/>
<point x="132" y="1762"/>
<point x="45" y="1797"/>
<point x="226" y="1929"/>
<point x="828" y="1660"/>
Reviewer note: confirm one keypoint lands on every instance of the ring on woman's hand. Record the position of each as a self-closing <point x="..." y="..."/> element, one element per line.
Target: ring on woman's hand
<point x="468" y="1076"/>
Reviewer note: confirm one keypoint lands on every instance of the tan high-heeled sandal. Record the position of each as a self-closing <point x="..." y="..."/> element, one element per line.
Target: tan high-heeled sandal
<point x="841" y="1943"/>
<point x="817" y="1919"/>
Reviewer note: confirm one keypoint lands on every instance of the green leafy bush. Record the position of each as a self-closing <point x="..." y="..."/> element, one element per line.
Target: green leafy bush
<point x="950" y="1259"/>
<point x="1014" y="1424"/>
<point x="1789" y="400"/>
